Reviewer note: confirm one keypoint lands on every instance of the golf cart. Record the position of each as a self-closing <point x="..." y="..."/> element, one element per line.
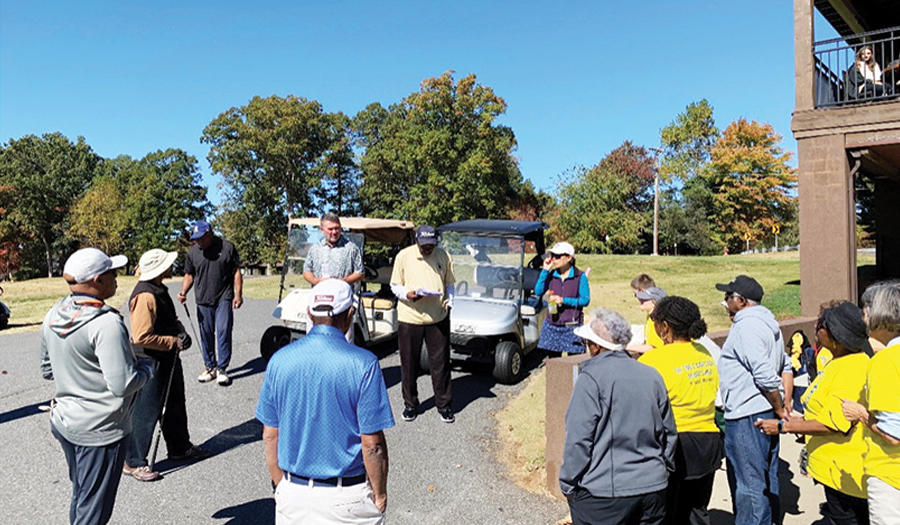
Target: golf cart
<point x="376" y="313"/>
<point x="496" y="318"/>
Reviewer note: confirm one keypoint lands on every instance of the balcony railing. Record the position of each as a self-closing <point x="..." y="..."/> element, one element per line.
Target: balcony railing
<point x="839" y="80"/>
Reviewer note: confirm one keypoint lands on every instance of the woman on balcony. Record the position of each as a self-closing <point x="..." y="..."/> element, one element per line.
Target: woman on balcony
<point x="865" y="75"/>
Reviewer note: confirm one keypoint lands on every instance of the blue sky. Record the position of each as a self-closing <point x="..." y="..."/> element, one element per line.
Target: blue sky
<point x="579" y="77"/>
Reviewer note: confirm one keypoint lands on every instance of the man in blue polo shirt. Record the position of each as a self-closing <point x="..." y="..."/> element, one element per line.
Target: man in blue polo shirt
<point x="324" y="407"/>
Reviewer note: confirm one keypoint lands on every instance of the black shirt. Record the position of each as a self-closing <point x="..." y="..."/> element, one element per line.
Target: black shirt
<point x="213" y="270"/>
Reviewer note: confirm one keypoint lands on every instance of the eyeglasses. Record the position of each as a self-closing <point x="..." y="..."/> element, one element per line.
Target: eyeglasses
<point x="557" y="255"/>
<point x="731" y="295"/>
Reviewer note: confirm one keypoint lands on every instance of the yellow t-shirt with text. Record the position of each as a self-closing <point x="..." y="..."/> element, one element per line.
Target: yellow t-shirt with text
<point x="883" y="393"/>
<point x="692" y="381"/>
<point x="836" y="460"/>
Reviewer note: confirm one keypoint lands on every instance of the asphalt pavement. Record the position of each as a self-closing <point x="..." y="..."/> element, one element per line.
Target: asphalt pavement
<point x="439" y="473"/>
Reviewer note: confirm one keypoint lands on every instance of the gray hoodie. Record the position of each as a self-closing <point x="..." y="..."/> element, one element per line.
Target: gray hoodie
<point x="85" y="349"/>
<point x="751" y="363"/>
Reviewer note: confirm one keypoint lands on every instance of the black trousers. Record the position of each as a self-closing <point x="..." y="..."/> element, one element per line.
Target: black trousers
<point x="147" y="409"/>
<point x="645" y="509"/>
<point x="437" y="339"/>
<point x="843" y="509"/>
<point x="687" y="500"/>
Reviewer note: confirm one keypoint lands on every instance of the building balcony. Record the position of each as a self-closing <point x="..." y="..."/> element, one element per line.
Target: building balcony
<point x="840" y="79"/>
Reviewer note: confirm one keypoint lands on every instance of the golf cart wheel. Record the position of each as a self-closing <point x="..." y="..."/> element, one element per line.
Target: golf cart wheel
<point x="508" y="360"/>
<point x="424" y="361"/>
<point x="274" y="338"/>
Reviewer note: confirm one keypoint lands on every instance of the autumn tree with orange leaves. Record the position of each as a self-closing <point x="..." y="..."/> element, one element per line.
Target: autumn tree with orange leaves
<point x="751" y="183"/>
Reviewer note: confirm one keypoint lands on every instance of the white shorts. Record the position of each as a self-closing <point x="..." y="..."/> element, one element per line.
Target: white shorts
<point x="321" y="504"/>
<point x="884" y="503"/>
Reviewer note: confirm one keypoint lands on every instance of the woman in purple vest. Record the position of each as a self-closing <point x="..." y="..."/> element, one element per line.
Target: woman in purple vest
<point x="569" y="293"/>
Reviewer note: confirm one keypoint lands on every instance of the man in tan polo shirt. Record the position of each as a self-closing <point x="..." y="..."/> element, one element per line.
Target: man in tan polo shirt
<point x="423" y="281"/>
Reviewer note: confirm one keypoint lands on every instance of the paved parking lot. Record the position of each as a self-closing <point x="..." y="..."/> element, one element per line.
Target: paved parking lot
<point x="439" y="473"/>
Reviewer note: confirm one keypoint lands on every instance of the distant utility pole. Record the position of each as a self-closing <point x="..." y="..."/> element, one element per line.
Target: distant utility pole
<point x="656" y="155"/>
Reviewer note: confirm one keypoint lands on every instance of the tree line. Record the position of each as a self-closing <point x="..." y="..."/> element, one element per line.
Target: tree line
<point x="436" y="156"/>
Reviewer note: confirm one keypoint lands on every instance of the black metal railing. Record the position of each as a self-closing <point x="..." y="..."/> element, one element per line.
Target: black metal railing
<point x="841" y="80"/>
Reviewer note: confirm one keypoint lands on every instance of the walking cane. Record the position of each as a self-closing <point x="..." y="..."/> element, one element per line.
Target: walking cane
<point x="162" y="411"/>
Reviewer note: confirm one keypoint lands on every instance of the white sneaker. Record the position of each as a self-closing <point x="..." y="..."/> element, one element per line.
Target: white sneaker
<point x="222" y="378"/>
<point x="206" y="376"/>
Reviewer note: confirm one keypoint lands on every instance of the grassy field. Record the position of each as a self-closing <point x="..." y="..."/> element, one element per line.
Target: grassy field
<point x="692" y="277"/>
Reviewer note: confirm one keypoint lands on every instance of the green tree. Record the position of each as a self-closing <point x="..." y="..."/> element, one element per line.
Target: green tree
<point x="607" y="209"/>
<point x="687" y="142"/>
<point x="100" y="217"/>
<point x="40" y="178"/>
<point x="438" y="155"/>
<point x="751" y="183"/>
<point x="273" y="154"/>
<point x="137" y="205"/>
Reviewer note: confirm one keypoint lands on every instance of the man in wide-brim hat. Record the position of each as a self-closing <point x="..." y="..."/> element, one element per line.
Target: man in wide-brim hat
<point x="155" y="328"/>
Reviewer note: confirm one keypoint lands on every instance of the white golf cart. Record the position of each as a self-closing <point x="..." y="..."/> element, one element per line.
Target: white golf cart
<point x="376" y="314"/>
<point x="495" y="317"/>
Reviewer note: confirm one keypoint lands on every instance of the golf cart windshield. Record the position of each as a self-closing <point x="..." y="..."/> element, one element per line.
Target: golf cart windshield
<point x="488" y="267"/>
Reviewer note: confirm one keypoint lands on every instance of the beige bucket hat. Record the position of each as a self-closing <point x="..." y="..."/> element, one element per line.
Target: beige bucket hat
<point x="154" y="263"/>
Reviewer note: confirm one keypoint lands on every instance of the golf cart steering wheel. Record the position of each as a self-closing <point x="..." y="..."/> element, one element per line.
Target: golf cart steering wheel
<point x="462" y="288"/>
<point x="370" y="273"/>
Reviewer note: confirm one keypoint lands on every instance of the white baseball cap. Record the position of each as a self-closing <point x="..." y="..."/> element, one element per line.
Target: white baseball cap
<point x="563" y="248"/>
<point x="329" y="298"/>
<point x="88" y="263"/>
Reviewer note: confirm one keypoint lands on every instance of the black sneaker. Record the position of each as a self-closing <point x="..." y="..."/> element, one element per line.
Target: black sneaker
<point x="446" y="415"/>
<point x="194" y="453"/>
<point x="410" y="413"/>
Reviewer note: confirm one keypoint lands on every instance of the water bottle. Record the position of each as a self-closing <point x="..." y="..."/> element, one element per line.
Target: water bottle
<point x="552" y="307"/>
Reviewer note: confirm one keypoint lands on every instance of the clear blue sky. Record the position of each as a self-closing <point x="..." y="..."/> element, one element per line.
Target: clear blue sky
<point x="579" y="77"/>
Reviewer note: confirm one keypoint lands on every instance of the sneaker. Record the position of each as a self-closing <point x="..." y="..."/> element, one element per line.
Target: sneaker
<point x="222" y="378"/>
<point x="194" y="453"/>
<point x="446" y="415"/>
<point x="207" y="375"/>
<point x="140" y="473"/>
<point x="410" y="413"/>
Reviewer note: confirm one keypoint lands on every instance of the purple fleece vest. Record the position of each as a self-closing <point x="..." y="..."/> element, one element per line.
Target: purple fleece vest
<point x="567" y="288"/>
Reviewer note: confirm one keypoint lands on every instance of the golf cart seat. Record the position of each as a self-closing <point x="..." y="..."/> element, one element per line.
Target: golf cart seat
<point x="531" y="306"/>
<point x="378" y="303"/>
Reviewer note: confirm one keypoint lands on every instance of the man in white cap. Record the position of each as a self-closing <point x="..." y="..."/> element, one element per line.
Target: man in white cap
<point x="85" y="350"/>
<point x="156" y="330"/>
<point x="324" y="407"/>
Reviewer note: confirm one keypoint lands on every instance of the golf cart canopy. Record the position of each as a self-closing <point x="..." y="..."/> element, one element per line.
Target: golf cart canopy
<point x="498" y="228"/>
<point x="377" y="230"/>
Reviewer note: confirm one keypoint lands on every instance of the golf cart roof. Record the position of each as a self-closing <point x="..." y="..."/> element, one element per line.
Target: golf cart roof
<point x="378" y="230"/>
<point x="497" y="227"/>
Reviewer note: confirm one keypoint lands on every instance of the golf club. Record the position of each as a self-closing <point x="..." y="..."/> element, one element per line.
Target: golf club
<point x="162" y="411"/>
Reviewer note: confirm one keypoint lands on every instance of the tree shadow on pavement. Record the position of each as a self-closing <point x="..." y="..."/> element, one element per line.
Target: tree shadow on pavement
<point x="257" y="511"/>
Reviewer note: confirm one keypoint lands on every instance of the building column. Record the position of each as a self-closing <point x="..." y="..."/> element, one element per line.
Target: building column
<point x="827" y="223"/>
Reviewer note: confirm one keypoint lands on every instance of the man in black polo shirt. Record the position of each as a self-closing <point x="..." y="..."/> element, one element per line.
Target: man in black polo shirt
<point x="213" y="264"/>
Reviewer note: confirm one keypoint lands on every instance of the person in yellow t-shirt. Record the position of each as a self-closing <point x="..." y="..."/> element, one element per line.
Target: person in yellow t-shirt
<point x="648" y="299"/>
<point x="835" y="445"/>
<point x="692" y="380"/>
<point x="881" y="415"/>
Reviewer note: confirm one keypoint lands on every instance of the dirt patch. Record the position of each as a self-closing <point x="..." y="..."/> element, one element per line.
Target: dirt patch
<point x="520" y="429"/>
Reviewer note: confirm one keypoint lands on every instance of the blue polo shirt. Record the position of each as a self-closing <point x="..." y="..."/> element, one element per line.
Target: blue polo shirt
<point x="322" y="393"/>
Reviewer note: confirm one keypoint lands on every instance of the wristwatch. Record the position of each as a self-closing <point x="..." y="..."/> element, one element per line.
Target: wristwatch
<point x="781" y="426"/>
